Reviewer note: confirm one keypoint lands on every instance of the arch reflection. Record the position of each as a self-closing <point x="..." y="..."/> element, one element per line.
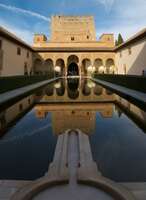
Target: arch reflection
<point x="72" y="88"/>
<point x="86" y="89"/>
<point x="98" y="90"/>
<point x="60" y="90"/>
<point x="49" y="90"/>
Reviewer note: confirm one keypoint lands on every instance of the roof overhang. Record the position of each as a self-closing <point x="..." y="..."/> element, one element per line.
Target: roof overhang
<point x="72" y="49"/>
<point x="138" y="37"/>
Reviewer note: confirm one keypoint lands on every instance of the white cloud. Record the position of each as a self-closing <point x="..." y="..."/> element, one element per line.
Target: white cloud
<point x="23" y="11"/>
<point x="108" y="4"/>
<point x="127" y="18"/>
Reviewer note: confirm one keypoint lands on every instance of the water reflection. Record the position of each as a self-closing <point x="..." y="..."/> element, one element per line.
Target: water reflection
<point x="119" y="148"/>
<point x="79" y="116"/>
<point x="49" y="90"/>
<point x="75" y="89"/>
<point x="118" y="144"/>
<point x="60" y="87"/>
<point x="98" y="90"/>
<point x="24" y="149"/>
<point x="86" y="89"/>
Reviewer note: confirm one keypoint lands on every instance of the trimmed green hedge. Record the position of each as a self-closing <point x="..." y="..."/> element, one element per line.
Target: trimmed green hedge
<point x="130" y="81"/>
<point x="14" y="82"/>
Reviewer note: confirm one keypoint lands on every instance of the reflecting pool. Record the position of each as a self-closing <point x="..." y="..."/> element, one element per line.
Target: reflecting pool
<point x="118" y="143"/>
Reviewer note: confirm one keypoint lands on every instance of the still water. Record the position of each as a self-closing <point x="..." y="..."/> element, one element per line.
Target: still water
<point x="118" y="144"/>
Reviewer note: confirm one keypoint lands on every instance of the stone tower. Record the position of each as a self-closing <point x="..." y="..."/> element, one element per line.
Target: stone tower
<point x="73" y="29"/>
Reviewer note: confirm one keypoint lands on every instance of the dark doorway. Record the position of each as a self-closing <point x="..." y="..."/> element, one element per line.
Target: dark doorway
<point x="73" y="70"/>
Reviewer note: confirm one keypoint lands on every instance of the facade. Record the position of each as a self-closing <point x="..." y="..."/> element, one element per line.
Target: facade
<point x="72" y="50"/>
<point x="66" y="29"/>
<point x="15" y="55"/>
<point x="130" y="56"/>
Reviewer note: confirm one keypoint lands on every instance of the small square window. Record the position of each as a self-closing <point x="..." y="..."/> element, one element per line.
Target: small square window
<point x="18" y="51"/>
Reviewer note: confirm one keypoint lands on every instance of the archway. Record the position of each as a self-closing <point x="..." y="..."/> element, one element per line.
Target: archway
<point x="86" y="66"/>
<point x="110" y="66"/>
<point x="73" y="69"/>
<point x="99" y="68"/>
<point x="71" y="59"/>
<point x="72" y="65"/>
<point x="37" y="67"/>
<point x="60" y="67"/>
<point x="48" y="67"/>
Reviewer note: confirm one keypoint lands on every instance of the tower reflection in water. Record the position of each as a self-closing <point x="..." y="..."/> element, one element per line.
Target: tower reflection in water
<point x="74" y="116"/>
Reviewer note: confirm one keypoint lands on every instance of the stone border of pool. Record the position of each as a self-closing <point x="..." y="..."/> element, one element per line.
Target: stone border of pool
<point x="87" y="172"/>
<point x="117" y="191"/>
<point x="31" y="190"/>
<point x="11" y="97"/>
<point x="135" y="97"/>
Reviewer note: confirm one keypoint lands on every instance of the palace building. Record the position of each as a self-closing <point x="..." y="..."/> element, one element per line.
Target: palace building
<point x="72" y="49"/>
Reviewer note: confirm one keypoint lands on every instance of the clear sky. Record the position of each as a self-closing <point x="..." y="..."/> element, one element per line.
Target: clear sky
<point x="26" y="17"/>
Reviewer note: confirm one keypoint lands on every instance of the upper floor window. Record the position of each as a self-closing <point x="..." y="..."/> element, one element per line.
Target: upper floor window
<point x="120" y="54"/>
<point x="0" y="44"/>
<point x="27" y="54"/>
<point x="129" y="51"/>
<point x="72" y="38"/>
<point x="87" y="36"/>
<point x="18" y="51"/>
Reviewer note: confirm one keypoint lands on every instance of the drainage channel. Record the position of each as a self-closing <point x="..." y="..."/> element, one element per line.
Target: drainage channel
<point x="73" y="190"/>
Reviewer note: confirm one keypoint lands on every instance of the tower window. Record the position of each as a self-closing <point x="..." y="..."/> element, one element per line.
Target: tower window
<point x="72" y="38"/>
<point x="87" y="36"/>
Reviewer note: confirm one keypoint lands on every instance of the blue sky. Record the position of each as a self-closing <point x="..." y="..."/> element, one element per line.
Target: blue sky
<point x="26" y="17"/>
